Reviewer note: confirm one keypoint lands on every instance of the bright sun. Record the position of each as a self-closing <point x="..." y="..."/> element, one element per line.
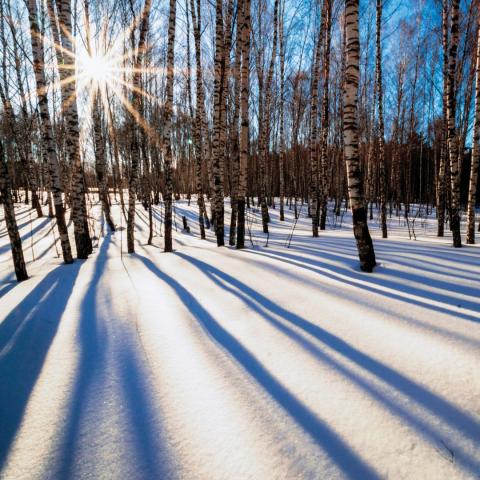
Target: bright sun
<point x="95" y="68"/>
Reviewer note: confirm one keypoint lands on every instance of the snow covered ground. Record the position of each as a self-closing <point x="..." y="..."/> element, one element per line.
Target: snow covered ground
<point x="216" y="364"/>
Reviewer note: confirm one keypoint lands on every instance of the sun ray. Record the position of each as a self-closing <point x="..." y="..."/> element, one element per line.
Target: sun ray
<point x="56" y="46"/>
<point x="136" y="115"/>
<point x="89" y="110"/>
<point x="68" y="101"/>
<point x="104" y="69"/>
<point x="41" y="91"/>
<point x="140" y="91"/>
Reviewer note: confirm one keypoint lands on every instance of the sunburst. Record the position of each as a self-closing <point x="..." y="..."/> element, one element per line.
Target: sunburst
<point x="102" y="70"/>
<point x="96" y="69"/>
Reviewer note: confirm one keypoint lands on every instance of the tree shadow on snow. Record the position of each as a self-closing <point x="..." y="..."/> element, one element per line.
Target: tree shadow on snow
<point x="427" y="253"/>
<point x="352" y="465"/>
<point x="96" y="371"/>
<point x="26" y="335"/>
<point x="404" y="286"/>
<point x="357" y="297"/>
<point x="6" y="286"/>
<point x="450" y="416"/>
<point x="26" y="236"/>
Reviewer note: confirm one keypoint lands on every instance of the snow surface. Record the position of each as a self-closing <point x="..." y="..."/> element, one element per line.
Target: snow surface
<point x="267" y="363"/>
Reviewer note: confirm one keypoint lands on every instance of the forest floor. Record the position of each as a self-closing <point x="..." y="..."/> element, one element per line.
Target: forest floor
<point x="218" y="364"/>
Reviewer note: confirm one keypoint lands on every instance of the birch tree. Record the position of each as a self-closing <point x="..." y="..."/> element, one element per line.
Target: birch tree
<point x="381" y="125"/>
<point x="218" y="118"/>
<point x="281" y="159"/>
<point x="11" y="223"/>
<point x="46" y="130"/>
<point x="200" y="121"/>
<point x="264" y="118"/>
<point x="244" y="126"/>
<point x="441" y="186"/>
<point x="234" y="136"/>
<point x="314" y="181"/>
<point x="350" y="134"/>
<point x="325" y="114"/>
<point x="136" y="119"/>
<point x="472" y="187"/>
<point x="168" y="155"/>
<point x="451" y="127"/>
<point x="68" y="88"/>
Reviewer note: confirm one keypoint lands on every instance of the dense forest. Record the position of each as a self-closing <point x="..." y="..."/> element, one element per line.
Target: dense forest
<point x="268" y="103"/>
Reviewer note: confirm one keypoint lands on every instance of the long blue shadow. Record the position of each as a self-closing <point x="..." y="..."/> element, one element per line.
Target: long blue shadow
<point x="250" y="298"/>
<point x="441" y="286"/>
<point x="426" y="253"/>
<point x="462" y="421"/>
<point x="25" y="338"/>
<point x="385" y="307"/>
<point x="343" y="275"/>
<point x="430" y="253"/>
<point x="25" y="223"/>
<point x="338" y="450"/>
<point x="152" y="458"/>
<point x="93" y="369"/>
<point x="5" y="287"/>
<point x="92" y="352"/>
<point x="27" y="235"/>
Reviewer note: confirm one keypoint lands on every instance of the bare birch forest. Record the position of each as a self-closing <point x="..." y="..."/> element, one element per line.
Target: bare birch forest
<point x="372" y="106"/>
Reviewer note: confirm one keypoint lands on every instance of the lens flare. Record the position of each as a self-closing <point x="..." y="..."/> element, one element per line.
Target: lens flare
<point x="95" y="68"/>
